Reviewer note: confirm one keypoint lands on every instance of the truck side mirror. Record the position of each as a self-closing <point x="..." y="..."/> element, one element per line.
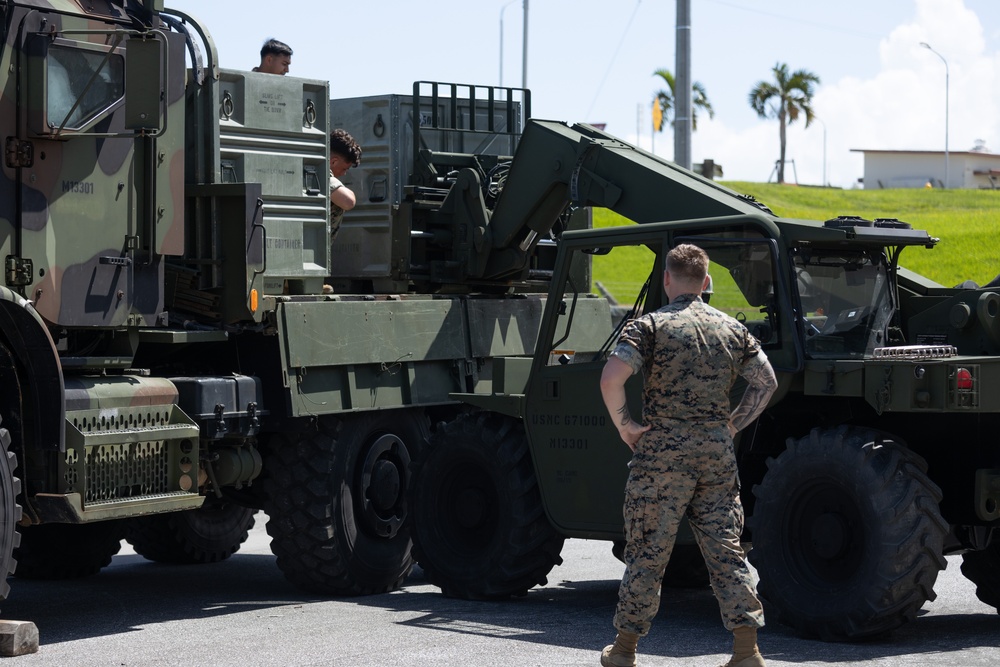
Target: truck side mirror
<point x="145" y="77"/>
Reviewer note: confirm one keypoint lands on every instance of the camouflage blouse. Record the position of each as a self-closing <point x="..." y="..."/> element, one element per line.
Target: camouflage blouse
<point x="336" y="213"/>
<point x="690" y="355"/>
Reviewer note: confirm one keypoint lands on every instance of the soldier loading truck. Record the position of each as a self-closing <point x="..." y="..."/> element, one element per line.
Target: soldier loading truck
<point x="173" y="365"/>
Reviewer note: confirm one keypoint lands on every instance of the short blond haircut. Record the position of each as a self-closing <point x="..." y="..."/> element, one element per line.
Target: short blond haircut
<point x="688" y="263"/>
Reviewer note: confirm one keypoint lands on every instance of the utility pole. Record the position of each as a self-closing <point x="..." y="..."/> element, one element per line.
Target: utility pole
<point x="682" y="87"/>
<point x="524" y="53"/>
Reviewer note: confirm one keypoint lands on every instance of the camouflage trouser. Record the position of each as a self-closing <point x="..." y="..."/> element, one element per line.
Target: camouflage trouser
<point x="676" y="473"/>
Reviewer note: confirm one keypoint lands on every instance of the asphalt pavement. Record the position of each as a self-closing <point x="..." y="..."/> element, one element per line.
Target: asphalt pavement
<point x="242" y="612"/>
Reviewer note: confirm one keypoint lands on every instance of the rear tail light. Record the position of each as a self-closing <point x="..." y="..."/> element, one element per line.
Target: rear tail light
<point x="963" y="386"/>
<point x="963" y="380"/>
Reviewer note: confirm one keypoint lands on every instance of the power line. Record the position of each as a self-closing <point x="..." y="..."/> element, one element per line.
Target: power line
<point x="612" y="61"/>
<point x="792" y="19"/>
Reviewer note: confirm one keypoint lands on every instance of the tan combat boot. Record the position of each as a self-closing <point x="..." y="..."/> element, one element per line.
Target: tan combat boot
<point x="745" y="651"/>
<point x="622" y="652"/>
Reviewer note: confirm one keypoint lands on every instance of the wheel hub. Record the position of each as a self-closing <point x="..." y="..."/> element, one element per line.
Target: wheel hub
<point x="826" y="534"/>
<point x="383" y="486"/>
<point x="829" y="535"/>
<point x="469" y="510"/>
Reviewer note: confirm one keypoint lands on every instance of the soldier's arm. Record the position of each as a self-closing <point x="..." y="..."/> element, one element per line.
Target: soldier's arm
<point x="761" y="384"/>
<point x="616" y="373"/>
<point x="341" y="195"/>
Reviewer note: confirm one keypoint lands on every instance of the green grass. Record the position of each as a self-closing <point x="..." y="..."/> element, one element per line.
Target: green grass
<point x="966" y="221"/>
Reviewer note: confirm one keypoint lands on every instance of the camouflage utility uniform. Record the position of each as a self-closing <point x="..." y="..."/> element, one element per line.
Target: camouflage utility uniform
<point x="691" y="355"/>
<point x="336" y="213"/>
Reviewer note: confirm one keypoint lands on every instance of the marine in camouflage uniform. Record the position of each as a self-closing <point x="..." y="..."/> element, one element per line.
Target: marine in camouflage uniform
<point x="683" y="464"/>
<point x="344" y="154"/>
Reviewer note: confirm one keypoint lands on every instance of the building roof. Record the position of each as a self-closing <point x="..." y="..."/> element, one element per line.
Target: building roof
<point x="896" y="152"/>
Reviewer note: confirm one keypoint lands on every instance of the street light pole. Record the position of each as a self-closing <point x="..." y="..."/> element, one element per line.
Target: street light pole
<point x="817" y="118"/>
<point x="501" y="38"/>
<point x="946" y="86"/>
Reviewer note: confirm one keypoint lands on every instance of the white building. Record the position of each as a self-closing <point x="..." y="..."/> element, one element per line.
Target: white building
<point x="976" y="168"/>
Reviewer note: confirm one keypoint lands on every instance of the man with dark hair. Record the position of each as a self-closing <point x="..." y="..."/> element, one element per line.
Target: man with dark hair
<point x="275" y="58"/>
<point x="683" y="462"/>
<point x="344" y="154"/>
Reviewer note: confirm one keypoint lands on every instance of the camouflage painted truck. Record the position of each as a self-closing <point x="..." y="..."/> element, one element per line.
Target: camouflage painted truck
<point x="877" y="456"/>
<point x="171" y="362"/>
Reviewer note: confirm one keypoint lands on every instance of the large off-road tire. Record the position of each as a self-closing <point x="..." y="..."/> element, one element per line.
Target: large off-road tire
<point x="336" y="501"/>
<point x="10" y="511"/>
<point x="847" y="534"/>
<point x="983" y="569"/>
<point x="67" y="550"/>
<point x="209" y="534"/>
<point x="479" y="528"/>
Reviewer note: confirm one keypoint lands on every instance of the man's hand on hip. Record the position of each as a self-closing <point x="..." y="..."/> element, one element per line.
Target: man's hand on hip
<point x="631" y="432"/>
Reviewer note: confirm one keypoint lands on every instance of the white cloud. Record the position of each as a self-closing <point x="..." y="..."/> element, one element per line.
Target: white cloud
<point x="902" y="107"/>
<point x="748" y="154"/>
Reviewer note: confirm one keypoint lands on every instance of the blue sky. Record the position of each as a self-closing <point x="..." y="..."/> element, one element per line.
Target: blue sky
<point x="593" y="61"/>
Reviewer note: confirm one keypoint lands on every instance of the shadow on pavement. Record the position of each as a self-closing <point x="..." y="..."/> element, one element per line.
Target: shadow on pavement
<point x="133" y="592"/>
<point x="577" y="614"/>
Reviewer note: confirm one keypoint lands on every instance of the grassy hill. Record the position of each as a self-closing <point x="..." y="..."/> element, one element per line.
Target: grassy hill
<point x="966" y="221"/>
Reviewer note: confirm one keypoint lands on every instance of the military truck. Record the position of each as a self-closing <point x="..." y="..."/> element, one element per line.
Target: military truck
<point x="876" y="457"/>
<point x="171" y="359"/>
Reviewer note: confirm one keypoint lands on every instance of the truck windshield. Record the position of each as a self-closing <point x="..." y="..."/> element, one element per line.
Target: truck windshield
<point x="845" y="302"/>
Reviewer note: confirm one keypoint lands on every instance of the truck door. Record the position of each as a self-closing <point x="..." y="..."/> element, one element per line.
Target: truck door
<point x="580" y="460"/>
<point x="76" y="180"/>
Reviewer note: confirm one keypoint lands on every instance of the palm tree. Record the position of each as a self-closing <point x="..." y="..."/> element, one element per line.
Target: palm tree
<point x="788" y="97"/>
<point x="665" y="98"/>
